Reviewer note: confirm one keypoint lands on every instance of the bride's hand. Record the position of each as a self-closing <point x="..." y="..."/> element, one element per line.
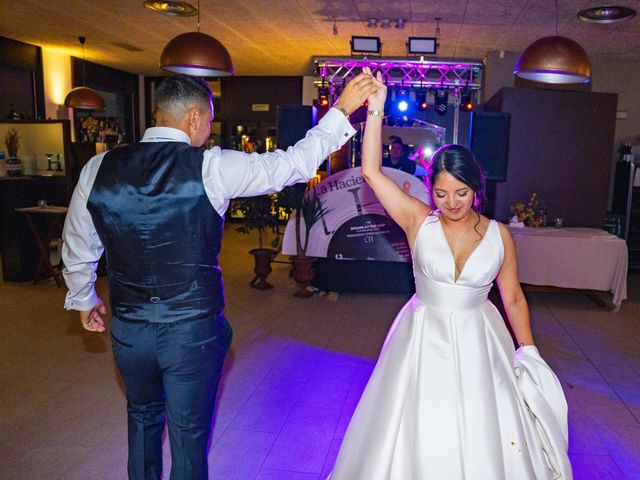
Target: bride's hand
<point x="376" y="100"/>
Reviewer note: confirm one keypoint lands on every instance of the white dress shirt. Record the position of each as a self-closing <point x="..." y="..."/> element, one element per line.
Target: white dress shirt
<point x="226" y="174"/>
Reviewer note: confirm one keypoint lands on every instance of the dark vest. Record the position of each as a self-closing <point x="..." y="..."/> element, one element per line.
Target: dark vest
<point x="160" y="232"/>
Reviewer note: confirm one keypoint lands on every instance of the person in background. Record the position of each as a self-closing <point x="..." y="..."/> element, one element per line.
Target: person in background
<point x="156" y="208"/>
<point x="398" y="157"/>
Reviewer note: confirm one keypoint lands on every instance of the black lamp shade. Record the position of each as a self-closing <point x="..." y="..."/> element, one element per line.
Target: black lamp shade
<point x="554" y="59"/>
<point x="84" y="98"/>
<point x="196" y="54"/>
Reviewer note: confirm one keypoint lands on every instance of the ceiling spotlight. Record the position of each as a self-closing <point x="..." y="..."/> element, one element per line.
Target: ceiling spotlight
<point x="173" y="9"/>
<point x="400" y="23"/>
<point x="372" y="22"/>
<point x="385" y="23"/>
<point x="610" y="14"/>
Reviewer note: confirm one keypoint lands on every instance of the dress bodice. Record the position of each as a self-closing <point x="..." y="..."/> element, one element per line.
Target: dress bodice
<point x="434" y="267"/>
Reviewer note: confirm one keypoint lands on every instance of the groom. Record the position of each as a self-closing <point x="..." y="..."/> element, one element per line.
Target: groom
<point x="156" y="208"/>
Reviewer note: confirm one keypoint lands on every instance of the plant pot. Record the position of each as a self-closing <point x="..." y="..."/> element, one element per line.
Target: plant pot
<point x="303" y="273"/>
<point x="262" y="269"/>
<point x="13" y="167"/>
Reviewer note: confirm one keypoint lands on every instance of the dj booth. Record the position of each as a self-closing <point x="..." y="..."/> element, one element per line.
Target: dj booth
<point x="358" y="246"/>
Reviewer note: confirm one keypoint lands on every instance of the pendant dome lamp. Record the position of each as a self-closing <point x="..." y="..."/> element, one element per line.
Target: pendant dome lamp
<point x="554" y="60"/>
<point x="84" y="98"/>
<point x="196" y="54"/>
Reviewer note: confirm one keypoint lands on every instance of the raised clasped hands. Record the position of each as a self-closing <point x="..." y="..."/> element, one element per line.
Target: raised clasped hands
<point x="356" y="92"/>
<point x="92" y="319"/>
<point x="377" y="98"/>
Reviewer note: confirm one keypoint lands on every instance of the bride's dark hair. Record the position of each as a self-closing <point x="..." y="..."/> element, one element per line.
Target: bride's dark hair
<point x="459" y="162"/>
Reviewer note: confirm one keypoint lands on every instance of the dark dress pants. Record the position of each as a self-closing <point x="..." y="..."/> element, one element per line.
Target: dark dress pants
<point x="173" y="368"/>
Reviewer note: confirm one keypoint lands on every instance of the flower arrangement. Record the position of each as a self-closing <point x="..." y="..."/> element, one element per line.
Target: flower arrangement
<point x="528" y="214"/>
<point x="90" y="127"/>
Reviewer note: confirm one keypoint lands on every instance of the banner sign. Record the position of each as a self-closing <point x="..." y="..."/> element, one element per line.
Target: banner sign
<point x="356" y="226"/>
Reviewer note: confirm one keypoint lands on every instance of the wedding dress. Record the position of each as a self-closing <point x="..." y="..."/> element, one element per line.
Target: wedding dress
<point x="449" y="397"/>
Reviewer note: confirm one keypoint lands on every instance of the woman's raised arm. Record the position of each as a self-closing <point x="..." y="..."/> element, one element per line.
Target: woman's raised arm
<point x="406" y="210"/>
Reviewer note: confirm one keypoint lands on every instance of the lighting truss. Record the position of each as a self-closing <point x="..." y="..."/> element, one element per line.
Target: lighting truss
<point x="403" y="71"/>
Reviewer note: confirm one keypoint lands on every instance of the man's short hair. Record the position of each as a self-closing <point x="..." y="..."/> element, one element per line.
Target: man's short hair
<point x="180" y="93"/>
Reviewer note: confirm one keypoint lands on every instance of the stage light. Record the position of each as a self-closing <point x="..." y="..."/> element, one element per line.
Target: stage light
<point x="442" y="99"/>
<point x="323" y="96"/>
<point x="466" y="105"/>
<point x="422" y="45"/>
<point x="365" y="44"/>
<point x="402" y="100"/>
<point x="421" y="100"/>
<point x="427" y="152"/>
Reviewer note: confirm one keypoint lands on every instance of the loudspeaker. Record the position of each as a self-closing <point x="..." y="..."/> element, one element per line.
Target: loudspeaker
<point x="489" y="142"/>
<point x="293" y="122"/>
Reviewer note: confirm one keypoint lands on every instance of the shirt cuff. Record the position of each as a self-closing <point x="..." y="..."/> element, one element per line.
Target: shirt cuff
<point x="82" y="304"/>
<point x="339" y="124"/>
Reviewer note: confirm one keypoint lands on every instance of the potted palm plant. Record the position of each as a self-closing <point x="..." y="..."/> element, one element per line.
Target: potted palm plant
<point x="260" y="213"/>
<point x="308" y="209"/>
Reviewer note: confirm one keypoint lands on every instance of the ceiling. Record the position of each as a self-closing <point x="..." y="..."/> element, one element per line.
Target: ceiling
<point x="280" y="37"/>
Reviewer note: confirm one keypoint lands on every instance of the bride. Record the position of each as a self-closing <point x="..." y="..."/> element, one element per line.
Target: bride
<point x="450" y="398"/>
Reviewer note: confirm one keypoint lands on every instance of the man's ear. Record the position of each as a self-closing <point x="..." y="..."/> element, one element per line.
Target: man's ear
<point x="194" y="118"/>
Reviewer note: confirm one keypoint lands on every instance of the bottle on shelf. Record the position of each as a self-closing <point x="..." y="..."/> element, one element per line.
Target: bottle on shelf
<point x="13" y="114"/>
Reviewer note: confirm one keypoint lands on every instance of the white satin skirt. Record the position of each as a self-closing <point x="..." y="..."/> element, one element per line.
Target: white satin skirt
<point x="443" y="403"/>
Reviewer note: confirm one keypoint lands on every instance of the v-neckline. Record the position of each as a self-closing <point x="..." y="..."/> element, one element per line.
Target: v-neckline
<point x="444" y="237"/>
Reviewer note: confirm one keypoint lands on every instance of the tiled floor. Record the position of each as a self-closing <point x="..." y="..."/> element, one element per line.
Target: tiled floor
<point x="292" y="380"/>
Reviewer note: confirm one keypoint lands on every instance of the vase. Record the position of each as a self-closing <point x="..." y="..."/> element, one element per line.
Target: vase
<point x="303" y="273"/>
<point x="262" y="268"/>
<point x="13" y="167"/>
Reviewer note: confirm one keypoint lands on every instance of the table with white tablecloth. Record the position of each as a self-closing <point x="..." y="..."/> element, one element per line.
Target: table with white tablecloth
<point x="577" y="258"/>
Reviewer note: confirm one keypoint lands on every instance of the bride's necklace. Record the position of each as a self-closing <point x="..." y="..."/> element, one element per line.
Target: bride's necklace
<point x="460" y="234"/>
